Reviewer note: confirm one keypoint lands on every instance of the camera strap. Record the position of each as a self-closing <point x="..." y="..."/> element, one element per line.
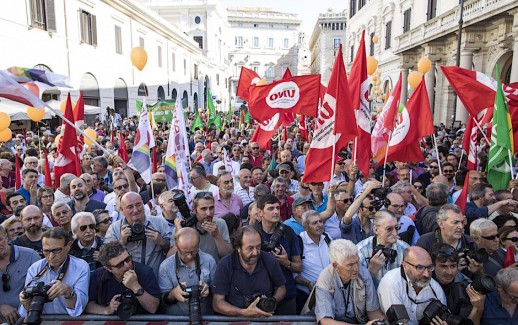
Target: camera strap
<point x="61" y="274"/>
<point x="196" y="266"/>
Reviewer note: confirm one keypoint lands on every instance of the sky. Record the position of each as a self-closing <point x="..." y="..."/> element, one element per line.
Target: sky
<point x="307" y="10"/>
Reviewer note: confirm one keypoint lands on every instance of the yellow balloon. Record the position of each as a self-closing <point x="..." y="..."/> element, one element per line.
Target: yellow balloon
<point x="414" y="79"/>
<point x="56" y="140"/>
<point x="35" y="114"/>
<point x="138" y="57"/>
<point x="92" y="134"/>
<point x="375" y="39"/>
<point x="372" y="65"/>
<point x="6" y="135"/>
<point x="5" y="121"/>
<point x="424" y="65"/>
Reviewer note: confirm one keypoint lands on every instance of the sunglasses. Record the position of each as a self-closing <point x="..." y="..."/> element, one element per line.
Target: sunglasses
<point x="345" y="201"/>
<point x="121" y="264"/>
<point x="120" y="187"/>
<point x="341" y="163"/>
<point x="105" y="221"/>
<point x="513" y="239"/>
<point x="392" y="228"/>
<point x="448" y="171"/>
<point x="5" y="282"/>
<point x="434" y="167"/>
<point x="493" y="237"/>
<point x="254" y="148"/>
<point x="83" y="227"/>
<point x="371" y="208"/>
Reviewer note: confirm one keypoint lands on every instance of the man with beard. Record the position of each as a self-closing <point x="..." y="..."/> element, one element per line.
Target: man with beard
<point x="32" y="220"/>
<point x="15" y="203"/>
<point x="226" y="201"/>
<point x="14" y="262"/>
<point x="244" y="276"/>
<point x="411" y="285"/>
<point x="81" y="202"/>
<point x="448" y="170"/>
<point x="29" y="186"/>
<point x="483" y="202"/>
<point x="92" y="192"/>
<point x="86" y="245"/>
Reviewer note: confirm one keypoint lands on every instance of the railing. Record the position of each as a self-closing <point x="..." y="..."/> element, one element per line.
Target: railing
<point x="164" y="319"/>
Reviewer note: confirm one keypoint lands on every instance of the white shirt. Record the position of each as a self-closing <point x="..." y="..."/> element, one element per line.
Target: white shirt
<point x="246" y="196"/>
<point x="316" y="258"/>
<point x="212" y="188"/>
<point x="392" y="290"/>
<point x="59" y="196"/>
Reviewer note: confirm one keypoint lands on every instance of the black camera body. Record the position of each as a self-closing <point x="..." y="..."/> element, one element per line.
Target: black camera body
<point x="390" y="254"/>
<point x="38" y="293"/>
<point x="266" y="304"/>
<point x="397" y="314"/>
<point x="138" y="232"/>
<point x="128" y="305"/>
<point x="480" y="255"/>
<point x="273" y="245"/>
<point x="436" y="308"/>
<point x="194" y="293"/>
<point x="189" y="220"/>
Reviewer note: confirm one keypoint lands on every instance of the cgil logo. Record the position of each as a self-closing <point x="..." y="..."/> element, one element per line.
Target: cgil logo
<point x="284" y="95"/>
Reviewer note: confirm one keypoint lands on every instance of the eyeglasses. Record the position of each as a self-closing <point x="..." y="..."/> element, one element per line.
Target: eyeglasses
<point x="193" y="178"/>
<point x="345" y="201"/>
<point x="392" y="228"/>
<point x="83" y="227"/>
<point x="513" y="298"/>
<point x="421" y="268"/>
<point x="184" y="253"/>
<point x="54" y="251"/>
<point x="397" y="206"/>
<point x="492" y="237"/>
<point x="5" y="282"/>
<point x="513" y="239"/>
<point x="121" y="264"/>
<point x="371" y="208"/>
<point x="45" y="197"/>
<point x="447" y="171"/>
<point x="418" y="187"/>
<point x="121" y="187"/>
<point x="105" y="221"/>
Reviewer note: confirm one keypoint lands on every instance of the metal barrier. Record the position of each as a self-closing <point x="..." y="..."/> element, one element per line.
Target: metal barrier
<point x="169" y="319"/>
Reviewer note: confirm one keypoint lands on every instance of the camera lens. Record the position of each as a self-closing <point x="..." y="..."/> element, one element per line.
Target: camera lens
<point x="484" y="284"/>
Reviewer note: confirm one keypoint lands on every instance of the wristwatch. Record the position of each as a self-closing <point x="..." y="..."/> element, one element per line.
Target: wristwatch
<point x="139" y="292"/>
<point x="72" y="294"/>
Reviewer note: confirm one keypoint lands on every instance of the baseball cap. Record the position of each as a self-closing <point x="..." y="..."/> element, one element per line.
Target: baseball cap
<point x="300" y="201"/>
<point x="284" y="167"/>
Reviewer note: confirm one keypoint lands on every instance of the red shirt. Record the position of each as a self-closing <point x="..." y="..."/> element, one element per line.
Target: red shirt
<point x="286" y="208"/>
<point x="256" y="161"/>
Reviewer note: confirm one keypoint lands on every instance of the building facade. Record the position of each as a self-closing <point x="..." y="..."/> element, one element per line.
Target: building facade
<point x="409" y="30"/>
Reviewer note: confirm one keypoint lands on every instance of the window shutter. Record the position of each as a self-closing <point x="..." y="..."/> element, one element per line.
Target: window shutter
<point x="50" y="12"/>
<point x="94" y="30"/>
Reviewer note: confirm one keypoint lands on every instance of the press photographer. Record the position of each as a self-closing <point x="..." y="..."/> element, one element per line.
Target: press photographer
<point x="59" y="281"/>
<point x="122" y="286"/>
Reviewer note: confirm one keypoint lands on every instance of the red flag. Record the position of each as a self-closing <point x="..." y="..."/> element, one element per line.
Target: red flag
<point x="509" y="256"/>
<point x="319" y="160"/>
<point x="79" y="118"/>
<point x="302" y="127"/>
<point x="469" y="143"/>
<point x="112" y="136"/>
<point x="359" y="87"/>
<point x="246" y="79"/>
<point x="17" y="173"/>
<point x="463" y="197"/>
<point x="284" y="134"/>
<point x="298" y="95"/>
<point x="122" y="152"/>
<point x="67" y="160"/>
<point x="414" y="122"/>
<point x="266" y="130"/>
<point x="48" y="179"/>
<point x="287" y="74"/>
<point x="154" y="169"/>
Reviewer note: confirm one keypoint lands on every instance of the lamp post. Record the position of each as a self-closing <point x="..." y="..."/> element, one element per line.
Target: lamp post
<point x="457" y="57"/>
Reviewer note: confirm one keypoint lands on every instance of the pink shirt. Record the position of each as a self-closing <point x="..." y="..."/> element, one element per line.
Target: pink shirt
<point x="220" y="209"/>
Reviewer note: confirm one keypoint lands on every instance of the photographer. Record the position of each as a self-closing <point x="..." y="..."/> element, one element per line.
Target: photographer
<point x="501" y="306"/>
<point x="146" y="238"/>
<point x="188" y="270"/>
<point x="121" y="276"/>
<point x="462" y="299"/>
<point x="247" y="276"/>
<point x="65" y="278"/>
<point x="383" y="251"/>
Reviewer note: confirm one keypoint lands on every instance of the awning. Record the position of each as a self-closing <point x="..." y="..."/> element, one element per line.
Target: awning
<point x="18" y="111"/>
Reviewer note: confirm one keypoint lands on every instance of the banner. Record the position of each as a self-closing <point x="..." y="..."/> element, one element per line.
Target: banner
<point x="162" y="111"/>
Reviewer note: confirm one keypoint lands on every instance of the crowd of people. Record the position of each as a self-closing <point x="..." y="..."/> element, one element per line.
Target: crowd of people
<point x="257" y="241"/>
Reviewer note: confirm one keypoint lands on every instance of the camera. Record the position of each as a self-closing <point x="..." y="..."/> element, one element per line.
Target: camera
<point x="128" y="305"/>
<point x="266" y="304"/>
<point x="189" y="220"/>
<point x="397" y="314"/>
<point x="479" y="255"/>
<point x="273" y="245"/>
<point x="38" y="293"/>
<point x="194" y="292"/>
<point x="484" y="284"/>
<point x="138" y="232"/>
<point x="389" y="253"/>
<point x="436" y="308"/>
<point x="380" y="197"/>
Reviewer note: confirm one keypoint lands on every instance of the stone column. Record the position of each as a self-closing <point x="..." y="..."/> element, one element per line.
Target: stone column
<point x="429" y="78"/>
<point x="404" y="85"/>
<point x="466" y="61"/>
<point x="514" y="69"/>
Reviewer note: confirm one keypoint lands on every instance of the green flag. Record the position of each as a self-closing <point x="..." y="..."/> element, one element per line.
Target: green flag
<point x="211" y="110"/>
<point x="247" y="117"/>
<point x="198" y="123"/>
<point x="499" y="170"/>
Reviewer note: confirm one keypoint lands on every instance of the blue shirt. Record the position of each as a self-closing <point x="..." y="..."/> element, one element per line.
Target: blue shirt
<point x="295" y="225"/>
<point x="26" y="195"/>
<point x="77" y="276"/>
<point x="322" y="206"/>
<point x="495" y="314"/>
<point x="354" y="231"/>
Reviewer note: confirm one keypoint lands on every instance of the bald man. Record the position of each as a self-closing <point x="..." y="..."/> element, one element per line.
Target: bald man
<point x="412" y="285"/>
<point x="148" y="247"/>
<point x="81" y="202"/>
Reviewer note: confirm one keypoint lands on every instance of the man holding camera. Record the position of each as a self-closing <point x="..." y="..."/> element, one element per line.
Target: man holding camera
<point x="383" y="251"/>
<point x="485" y="234"/>
<point x="249" y="282"/>
<point x="185" y="277"/>
<point x="121" y="281"/>
<point x="501" y="306"/>
<point x="146" y="238"/>
<point x="59" y="280"/>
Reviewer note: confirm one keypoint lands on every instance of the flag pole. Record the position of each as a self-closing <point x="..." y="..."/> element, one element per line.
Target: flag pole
<point x="333" y="159"/>
<point x="437" y="151"/>
<point x="385" y="161"/>
<point x="460" y="159"/>
<point x="355" y="148"/>
<point x="511" y="163"/>
<point x="480" y="128"/>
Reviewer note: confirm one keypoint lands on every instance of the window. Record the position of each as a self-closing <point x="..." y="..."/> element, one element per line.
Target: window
<point x="217" y="79"/>
<point x="255" y="42"/>
<point x="199" y="40"/>
<point x="270" y="42"/>
<point x="43" y="15"/>
<point x="173" y="58"/>
<point x="286" y="43"/>
<point x="336" y="43"/>
<point x="255" y="68"/>
<point x="118" y="40"/>
<point x="361" y="3"/>
<point x="184" y="67"/>
<point x="88" y="28"/>
<point x="432" y="9"/>
<point x="352" y="54"/>
<point x="159" y="56"/>
<point x="256" y="25"/>
<point x="270" y="25"/>
<point x="406" y="20"/>
<point x="270" y="72"/>
<point x="141" y="42"/>
<point x="388" y="34"/>
<point x="352" y="8"/>
<point x="195" y="72"/>
<point x="371" y="49"/>
<point x="239" y="41"/>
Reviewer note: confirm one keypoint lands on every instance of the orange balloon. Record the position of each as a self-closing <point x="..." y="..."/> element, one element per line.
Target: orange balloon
<point x="372" y="65"/>
<point x="6" y="135"/>
<point x="262" y="82"/>
<point x="63" y="106"/>
<point x="92" y="134"/>
<point x="5" y="121"/>
<point x="414" y="79"/>
<point x="138" y="57"/>
<point x="56" y="141"/>
<point x="424" y="65"/>
<point x="375" y="39"/>
<point x="35" y="114"/>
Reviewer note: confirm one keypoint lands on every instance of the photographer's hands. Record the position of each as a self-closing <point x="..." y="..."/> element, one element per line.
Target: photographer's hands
<point x="130" y="281"/>
<point x="178" y="294"/>
<point x="253" y="311"/>
<point x="113" y="306"/>
<point x="125" y="234"/>
<point x="376" y="262"/>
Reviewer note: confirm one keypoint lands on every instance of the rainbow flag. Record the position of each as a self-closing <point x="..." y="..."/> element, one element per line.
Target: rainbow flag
<point x="144" y="141"/>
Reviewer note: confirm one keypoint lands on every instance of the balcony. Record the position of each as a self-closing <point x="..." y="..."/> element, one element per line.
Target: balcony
<point x="474" y="11"/>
